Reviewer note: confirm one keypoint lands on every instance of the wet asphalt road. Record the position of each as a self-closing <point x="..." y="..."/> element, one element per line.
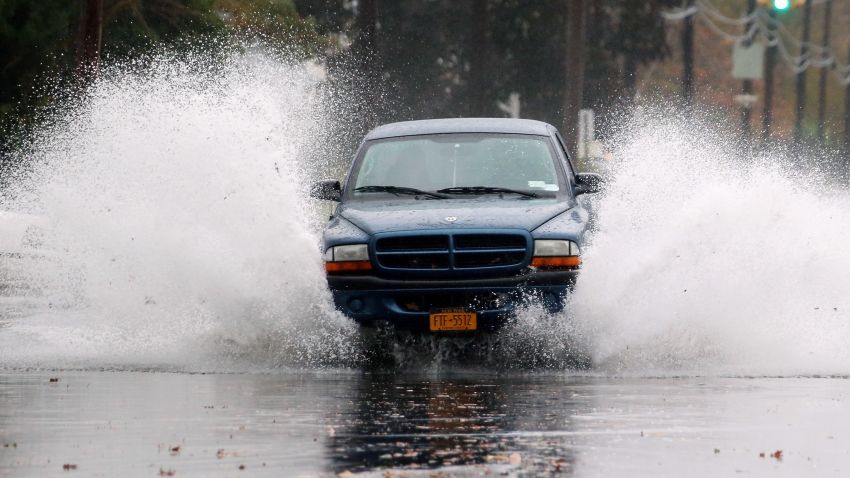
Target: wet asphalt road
<point x="327" y="423"/>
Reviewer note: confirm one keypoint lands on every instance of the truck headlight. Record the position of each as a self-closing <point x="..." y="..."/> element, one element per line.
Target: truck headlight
<point x="350" y="258"/>
<point x="556" y="254"/>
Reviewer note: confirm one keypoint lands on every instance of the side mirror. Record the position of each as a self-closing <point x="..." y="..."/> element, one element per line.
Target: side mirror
<point x="587" y="183"/>
<point x="329" y="190"/>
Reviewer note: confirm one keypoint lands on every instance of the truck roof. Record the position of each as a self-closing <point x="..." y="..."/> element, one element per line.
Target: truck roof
<point x="460" y="125"/>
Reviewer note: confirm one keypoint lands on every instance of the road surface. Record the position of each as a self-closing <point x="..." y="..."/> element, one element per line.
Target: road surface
<point x="446" y="423"/>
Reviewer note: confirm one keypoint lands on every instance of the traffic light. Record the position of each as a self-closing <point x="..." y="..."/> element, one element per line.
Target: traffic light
<point x="781" y="5"/>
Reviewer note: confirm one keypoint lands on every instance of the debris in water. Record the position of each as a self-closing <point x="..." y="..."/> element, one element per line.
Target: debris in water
<point x="53" y="380"/>
<point x="717" y="451"/>
<point x="175" y="450"/>
<point x="163" y="472"/>
<point x="69" y="466"/>
<point x="221" y="453"/>
<point x="241" y="467"/>
<point x="777" y="455"/>
<point x="560" y="464"/>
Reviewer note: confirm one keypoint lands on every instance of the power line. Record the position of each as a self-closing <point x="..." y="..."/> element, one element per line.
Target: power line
<point x="709" y="9"/>
<point x="812" y="56"/>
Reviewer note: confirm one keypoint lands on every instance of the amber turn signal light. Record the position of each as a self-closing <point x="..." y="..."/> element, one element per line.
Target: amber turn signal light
<point x="347" y="266"/>
<point x="558" y="262"/>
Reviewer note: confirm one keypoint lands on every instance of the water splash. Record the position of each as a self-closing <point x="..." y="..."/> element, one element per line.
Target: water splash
<point x="712" y="263"/>
<point x="179" y="238"/>
<point x="172" y="193"/>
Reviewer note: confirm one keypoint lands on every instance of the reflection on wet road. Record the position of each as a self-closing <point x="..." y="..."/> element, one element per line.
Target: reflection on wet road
<point x="347" y="422"/>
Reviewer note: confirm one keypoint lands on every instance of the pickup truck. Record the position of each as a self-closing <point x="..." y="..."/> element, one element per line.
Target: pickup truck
<point x="450" y="225"/>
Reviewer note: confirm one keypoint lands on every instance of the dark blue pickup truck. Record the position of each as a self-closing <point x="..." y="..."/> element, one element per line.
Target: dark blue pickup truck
<point x="451" y="224"/>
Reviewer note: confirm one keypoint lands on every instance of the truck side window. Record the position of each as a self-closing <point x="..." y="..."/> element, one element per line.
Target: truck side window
<point x="570" y="166"/>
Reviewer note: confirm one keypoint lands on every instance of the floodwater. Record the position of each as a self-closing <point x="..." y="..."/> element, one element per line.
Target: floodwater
<point x="328" y="423"/>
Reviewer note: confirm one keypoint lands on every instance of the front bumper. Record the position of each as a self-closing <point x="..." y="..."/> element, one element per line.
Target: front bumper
<point x="407" y="303"/>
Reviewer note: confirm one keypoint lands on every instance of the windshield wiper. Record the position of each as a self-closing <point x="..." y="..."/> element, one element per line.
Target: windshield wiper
<point x="486" y="190"/>
<point x="399" y="190"/>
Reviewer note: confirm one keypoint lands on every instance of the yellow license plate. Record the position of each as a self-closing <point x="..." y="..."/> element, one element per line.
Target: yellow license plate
<point x="453" y="319"/>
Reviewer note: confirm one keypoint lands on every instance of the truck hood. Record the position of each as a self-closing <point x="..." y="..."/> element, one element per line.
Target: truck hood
<point x="379" y="216"/>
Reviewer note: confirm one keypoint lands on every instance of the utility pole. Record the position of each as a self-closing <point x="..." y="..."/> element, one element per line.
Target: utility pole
<point x="847" y="123"/>
<point x="801" y="76"/>
<point x="769" y="66"/>
<point x="827" y="14"/>
<point x="688" y="60"/>
<point x="747" y="89"/>
<point x="574" y="88"/>
<point x="90" y="38"/>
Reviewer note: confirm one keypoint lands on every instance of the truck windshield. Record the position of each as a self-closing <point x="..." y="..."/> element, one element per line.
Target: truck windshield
<point x="459" y="165"/>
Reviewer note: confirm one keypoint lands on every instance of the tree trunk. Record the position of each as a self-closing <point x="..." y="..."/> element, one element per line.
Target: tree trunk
<point x="480" y="102"/>
<point x="769" y="67"/>
<point x="367" y="41"/>
<point x="366" y="49"/>
<point x="630" y="78"/>
<point x="799" y="114"/>
<point x="747" y="88"/>
<point x="688" y="60"/>
<point x="827" y="16"/>
<point x="847" y="126"/>
<point x="89" y="40"/>
<point x="574" y="88"/>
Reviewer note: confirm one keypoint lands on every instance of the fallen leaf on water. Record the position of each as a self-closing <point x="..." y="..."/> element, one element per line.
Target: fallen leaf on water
<point x="53" y="380"/>
<point x="777" y="455"/>
<point x="241" y="467"/>
<point x="69" y="466"/>
<point x="560" y="464"/>
<point x="221" y="453"/>
<point x="163" y="472"/>
<point x="175" y="450"/>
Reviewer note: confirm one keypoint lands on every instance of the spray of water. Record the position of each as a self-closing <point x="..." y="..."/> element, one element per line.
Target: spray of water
<point x="179" y="237"/>
<point x="709" y="263"/>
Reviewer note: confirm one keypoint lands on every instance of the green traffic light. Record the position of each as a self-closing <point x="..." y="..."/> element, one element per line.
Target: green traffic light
<point x="781" y="4"/>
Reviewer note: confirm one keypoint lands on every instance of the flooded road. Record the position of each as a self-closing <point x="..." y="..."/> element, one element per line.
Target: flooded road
<point x="341" y="422"/>
<point x="171" y="234"/>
